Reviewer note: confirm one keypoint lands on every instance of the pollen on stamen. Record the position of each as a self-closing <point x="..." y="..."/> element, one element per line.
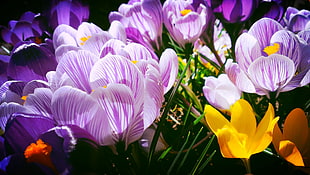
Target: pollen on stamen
<point x="39" y="152"/>
<point x="24" y="97"/>
<point x="84" y="39"/>
<point x="134" y="61"/>
<point x="272" y="49"/>
<point x="185" y="12"/>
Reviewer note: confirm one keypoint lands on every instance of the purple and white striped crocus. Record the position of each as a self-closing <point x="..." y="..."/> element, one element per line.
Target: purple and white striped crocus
<point x="144" y="16"/>
<point x="127" y="94"/>
<point x="88" y="36"/>
<point x="184" y="22"/>
<point x="267" y="60"/>
<point x="296" y="20"/>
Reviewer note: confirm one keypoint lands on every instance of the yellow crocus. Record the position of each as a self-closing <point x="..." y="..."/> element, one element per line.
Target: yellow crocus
<point x="241" y="137"/>
<point x="293" y="144"/>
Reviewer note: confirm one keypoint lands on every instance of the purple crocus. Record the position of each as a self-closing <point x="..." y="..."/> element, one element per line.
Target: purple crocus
<point x="30" y="25"/>
<point x="70" y="12"/>
<point x="269" y="60"/>
<point x="144" y="16"/>
<point x="30" y="61"/>
<point x="184" y="22"/>
<point x="233" y="11"/>
<point x="297" y="20"/>
<point x="43" y="149"/>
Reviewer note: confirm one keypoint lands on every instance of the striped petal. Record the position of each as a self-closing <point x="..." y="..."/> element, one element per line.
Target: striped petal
<point x="263" y="29"/>
<point x="40" y="102"/>
<point x="272" y="73"/>
<point x="247" y="53"/>
<point x="118" y="102"/>
<point x="169" y="67"/>
<point x="73" y="106"/>
<point x="96" y="41"/>
<point x="77" y="65"/>
<point x="7" y="109"/>
<point x="117" y="69"/>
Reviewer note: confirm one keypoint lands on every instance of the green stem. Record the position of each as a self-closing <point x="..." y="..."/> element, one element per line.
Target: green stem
<point x="246" y="162"/>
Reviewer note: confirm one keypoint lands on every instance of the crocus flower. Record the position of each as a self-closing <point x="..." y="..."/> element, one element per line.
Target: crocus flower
<point x="234" y="11"/>
<point x="293" y="142"/>
<point x="256" y="74"/>
<point x="144" y="16"/>
<point x="30" y="61"/>
<point x="47" y="145"/>
<point x="70" y="12"/>
<point x="241" y="137"/>
<point x="184" y="22"/>
<point x="297" y="20"/>
<point x="221" y="92"/>
<point x="29" y="25"/>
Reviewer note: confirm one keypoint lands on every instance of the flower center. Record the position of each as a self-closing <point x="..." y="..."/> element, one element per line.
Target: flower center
<point x="39" y="152"/>
<point x="185" y="12"/>
<point x="272" y="49"/>
<point x="84" y="39"/>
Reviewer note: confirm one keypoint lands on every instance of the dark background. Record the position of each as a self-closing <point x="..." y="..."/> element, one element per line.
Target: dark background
<point x="99" y="9"/>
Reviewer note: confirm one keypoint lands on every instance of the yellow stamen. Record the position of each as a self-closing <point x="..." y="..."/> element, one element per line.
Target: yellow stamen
<point x="134" y="61"/>
<point x="185" y="12"/>
<point x="272" y="49"/>
<point x="84" y="39"/>
<point x="24" y="97"/>
<point x="39" y="152"/>
<point x="104" y="86"/>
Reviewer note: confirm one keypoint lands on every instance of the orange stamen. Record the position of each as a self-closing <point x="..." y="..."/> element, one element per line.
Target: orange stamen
<point x="40" y="152"/>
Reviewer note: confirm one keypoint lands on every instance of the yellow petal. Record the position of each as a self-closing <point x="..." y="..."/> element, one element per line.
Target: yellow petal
<point x="295" y="128"/>
<point x="263" y="134"/>
<point x="232" y="143"/>
<point x="243" y="118"/>
<point x="289" y="152"/>
<point x="215" y="119"/>
<point x="263" y="142"/>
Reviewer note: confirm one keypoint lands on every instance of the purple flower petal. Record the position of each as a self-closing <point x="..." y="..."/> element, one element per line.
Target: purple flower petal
<point x="64" y="34"/>
<point x="264" y="29"/>
<point x="289" y="45"/>
<point x="117" y="30"/>
<point x="169" y="67"/>
<point x="118" y="101"/>
<point x="85" y="31"/>
<point x="96" y="41"/>
<point x="153" y="96"/>
<point x="30" y="61"/>
<point x="272" y="73"/>
<point x="117" y="69"/>
<point x="73" y="106"/>
<point x="7" y="109"/>
<point x="113" y="46"/>
<point x="32" y="85"/>
<point x="239" y="77"/>
<point x="247" y="53"/>
<point x="77" y="65"/>
<point x="40" y="102"/>
<point x="22" y="129"/>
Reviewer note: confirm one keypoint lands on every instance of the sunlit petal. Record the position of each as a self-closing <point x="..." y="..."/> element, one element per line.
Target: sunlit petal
<point x="290" y="152"/>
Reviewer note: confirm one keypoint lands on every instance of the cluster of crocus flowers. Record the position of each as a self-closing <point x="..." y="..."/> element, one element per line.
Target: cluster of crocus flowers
<point x="270" y="62"/>
<point x="293" y="142"/>
<point x="241" y="137"/>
